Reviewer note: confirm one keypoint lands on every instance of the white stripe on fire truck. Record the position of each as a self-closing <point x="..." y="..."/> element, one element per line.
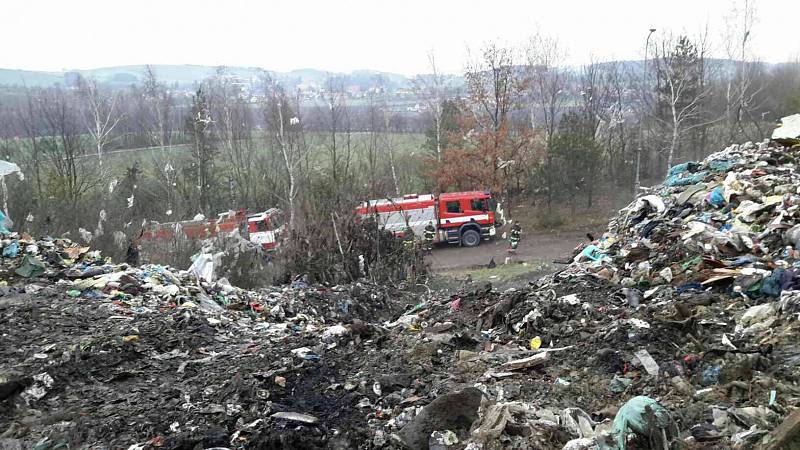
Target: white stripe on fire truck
<point x="451" y="220"/>
<point x="465" y="218"/>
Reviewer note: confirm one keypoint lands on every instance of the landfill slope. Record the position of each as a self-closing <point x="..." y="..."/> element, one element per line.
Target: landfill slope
<point x="675" y="329"/>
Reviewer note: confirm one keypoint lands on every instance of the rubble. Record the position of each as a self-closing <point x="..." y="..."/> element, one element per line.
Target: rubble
<point x="675" y="329"/>
<point x="457" y="410"/>
<point x="788" y="133"/>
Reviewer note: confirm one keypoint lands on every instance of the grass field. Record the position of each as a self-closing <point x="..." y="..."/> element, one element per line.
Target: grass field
<point x="403" y="144"/>
<point x="503" y="272"/>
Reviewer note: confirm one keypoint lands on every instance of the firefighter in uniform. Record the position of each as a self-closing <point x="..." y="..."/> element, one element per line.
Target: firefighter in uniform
<point x="514" y="237"/>
<point x="408" y="239"/>
<point x="430" y="235"/>
<point x="132" y="254"/>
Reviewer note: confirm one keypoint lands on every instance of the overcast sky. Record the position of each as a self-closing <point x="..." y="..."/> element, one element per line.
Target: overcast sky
<point x="343" y="35"/>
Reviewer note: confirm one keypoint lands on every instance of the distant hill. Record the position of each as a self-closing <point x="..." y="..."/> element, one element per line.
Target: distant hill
<point x="185" y="76"/>
<point x="29" y="77"/>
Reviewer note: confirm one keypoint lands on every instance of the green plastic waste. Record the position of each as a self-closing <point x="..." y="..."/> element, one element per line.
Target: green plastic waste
<point x="683" y="179"/>
<point x="30" y="267"/>
<point x="692" y="262"/>
<point x="418" y="307"/>
<point x="720" y="165"/>
<point x="74" y="293"/>
<point x="619" y="384"/>
<point x="646" y="417"/>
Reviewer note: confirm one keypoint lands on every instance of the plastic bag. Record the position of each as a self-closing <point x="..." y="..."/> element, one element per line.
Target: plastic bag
<point x="644" y="416"/>
<point x="716" y="197"/>
<point x="203" y="267"/>
<point x="4" y="223"/>
<point x="11" y="250"/>
<point x="30" y="267"/>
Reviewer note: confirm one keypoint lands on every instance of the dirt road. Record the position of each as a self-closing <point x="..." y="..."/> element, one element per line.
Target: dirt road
<point x="534" y="248"/>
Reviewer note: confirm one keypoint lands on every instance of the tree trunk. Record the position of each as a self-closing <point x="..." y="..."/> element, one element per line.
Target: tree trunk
<point x="394" y="172"/>
<point x="673" y="144"/>
<point x="439" y="135"/>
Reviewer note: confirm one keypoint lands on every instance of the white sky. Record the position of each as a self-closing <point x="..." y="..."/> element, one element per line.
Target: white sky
<point x="343" y="35"/>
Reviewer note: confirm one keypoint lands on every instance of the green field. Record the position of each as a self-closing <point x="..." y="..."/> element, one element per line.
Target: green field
<point x="403" y="144"/>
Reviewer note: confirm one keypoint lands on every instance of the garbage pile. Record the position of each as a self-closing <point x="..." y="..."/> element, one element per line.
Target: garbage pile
<point x="675" y="329"/>
<point x="103" y="355"/>
<point x="733" y="219"/>
<point x="574" y="362"/>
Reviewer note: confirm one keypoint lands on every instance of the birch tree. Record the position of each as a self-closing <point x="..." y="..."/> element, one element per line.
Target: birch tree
<point x="100" y="114"/>
<point x="286" y="129"/>
<point x="199" y="125"/>
<point x="680" y="94"/>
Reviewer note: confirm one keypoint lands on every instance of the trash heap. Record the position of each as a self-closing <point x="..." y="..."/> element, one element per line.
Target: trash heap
<point x="575" y="362"/>
<point x="732" y="220"/>
<point x="675" y="329"/>
<point x="103" y="355"/>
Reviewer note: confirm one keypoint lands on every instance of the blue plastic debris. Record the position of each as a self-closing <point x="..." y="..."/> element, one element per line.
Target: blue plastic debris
<point x="11" y="250"/>
<point x="716" y="197"/>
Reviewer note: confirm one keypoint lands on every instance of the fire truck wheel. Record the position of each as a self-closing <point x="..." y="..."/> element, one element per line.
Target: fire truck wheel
<point x="470" y="238"/>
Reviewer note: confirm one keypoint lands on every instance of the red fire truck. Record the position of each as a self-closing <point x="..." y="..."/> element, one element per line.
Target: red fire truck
<point x="262" y="228"/>
<point x="463" y="218"/>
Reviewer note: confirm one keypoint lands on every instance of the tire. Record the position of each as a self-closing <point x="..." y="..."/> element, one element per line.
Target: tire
<point x="470" y="238"/>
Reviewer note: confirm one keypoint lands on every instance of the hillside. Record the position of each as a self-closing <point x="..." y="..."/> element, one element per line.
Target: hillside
<point x="187" y="75"/>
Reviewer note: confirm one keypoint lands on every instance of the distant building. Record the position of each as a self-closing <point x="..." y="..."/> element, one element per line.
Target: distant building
<point x="354" y="90"/>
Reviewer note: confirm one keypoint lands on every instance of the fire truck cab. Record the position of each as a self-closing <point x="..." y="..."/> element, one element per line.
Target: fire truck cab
<point x="464" y="218"/>
<point x="264" y="228"/>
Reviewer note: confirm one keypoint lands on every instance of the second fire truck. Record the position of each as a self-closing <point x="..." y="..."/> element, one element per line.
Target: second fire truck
<point x="262" y="228"/>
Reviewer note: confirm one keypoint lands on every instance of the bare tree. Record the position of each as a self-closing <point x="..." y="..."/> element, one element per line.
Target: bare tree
<point x="199" y="124"/>
<point x="742" y="90"/>
<point x="336" y="119"/>
<point x="61" y="143"/>
<point x="609" y="100"/>
<point x="157" y="105"/>
<point x="232" y="131"/>
<point x="494" y="147"/>
<point x="284" y="124"/>
<point x="371" y="148"/>
<point x="387" y="136"/>
<point x="154" y="115"/>
<point x="680" y="92"/>
<point x="100" y="114"/>
<point x="548" y="81"/>
<point x="28" y="118"/>
<point x="434" y="88"/>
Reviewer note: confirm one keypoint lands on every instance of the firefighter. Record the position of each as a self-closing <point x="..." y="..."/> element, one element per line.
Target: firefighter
<point x="514" y="237"/>
<point x="408" y="239"/>
<point x="430" y="235"/>
<point x="132" y="254"/>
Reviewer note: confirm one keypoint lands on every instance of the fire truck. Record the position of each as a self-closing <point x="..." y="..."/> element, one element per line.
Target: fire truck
<point x="464" y="218"/>
<point x="263" y="228"/>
